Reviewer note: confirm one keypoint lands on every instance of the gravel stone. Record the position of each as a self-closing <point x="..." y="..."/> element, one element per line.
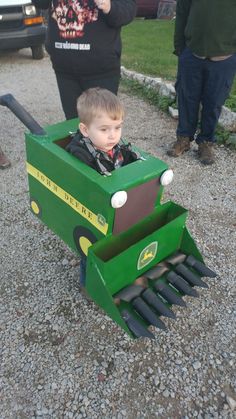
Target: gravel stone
<point x="166" y="393"/>
<point x="231" y="402"/>
<point x="197" y="365"/>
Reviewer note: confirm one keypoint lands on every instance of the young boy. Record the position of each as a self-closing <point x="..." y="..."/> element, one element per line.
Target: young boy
<point x="97" y="142"/>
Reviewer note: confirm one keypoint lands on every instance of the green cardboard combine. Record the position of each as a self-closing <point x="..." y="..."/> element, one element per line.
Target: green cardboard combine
<point x="141" y="259"/>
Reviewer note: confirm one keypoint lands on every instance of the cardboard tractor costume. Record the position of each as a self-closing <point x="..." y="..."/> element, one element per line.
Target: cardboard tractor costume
<point x="141" y="259"/>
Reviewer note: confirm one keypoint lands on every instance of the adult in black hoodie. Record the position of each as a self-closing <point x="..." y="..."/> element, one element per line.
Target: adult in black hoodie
<point x="84" y="44"/>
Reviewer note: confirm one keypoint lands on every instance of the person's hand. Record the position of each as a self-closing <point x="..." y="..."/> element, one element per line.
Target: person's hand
<point x="103" y="5"/>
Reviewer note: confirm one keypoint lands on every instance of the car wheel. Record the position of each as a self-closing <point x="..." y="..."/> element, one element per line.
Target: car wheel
<point x="37" y="52"/>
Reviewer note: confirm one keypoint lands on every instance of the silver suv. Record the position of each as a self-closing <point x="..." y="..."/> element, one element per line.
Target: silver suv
<point x="21" y="26"/>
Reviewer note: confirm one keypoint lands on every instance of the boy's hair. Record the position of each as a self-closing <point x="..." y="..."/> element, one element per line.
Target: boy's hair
<point x="96" y="100"/>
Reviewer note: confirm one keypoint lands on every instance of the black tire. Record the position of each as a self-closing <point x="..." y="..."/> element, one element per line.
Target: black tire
<point x="37" y="52"/>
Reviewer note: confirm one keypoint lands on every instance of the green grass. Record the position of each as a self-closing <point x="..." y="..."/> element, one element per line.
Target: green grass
<point x="148" y="47"/>
<point x="142" y="91"/>
<point x="231" y="101"/>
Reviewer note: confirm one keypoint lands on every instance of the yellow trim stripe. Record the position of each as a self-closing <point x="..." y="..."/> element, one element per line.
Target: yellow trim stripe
<point x="67" y="198"/>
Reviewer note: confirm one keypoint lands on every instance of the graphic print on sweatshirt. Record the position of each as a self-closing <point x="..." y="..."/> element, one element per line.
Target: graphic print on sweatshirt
<point x="71" y="17"/>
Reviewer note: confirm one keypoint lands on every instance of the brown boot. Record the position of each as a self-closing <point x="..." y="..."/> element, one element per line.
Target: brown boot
<point x="4" y="162"/>
<point x="205" y="152"/>
<point x="179" y="147"/>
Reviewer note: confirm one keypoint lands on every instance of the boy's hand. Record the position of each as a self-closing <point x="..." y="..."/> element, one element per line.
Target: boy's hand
<point x="104" y="5"/>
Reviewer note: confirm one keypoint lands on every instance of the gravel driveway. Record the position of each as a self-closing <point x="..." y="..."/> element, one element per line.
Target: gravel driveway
<point x="61" y="357"/>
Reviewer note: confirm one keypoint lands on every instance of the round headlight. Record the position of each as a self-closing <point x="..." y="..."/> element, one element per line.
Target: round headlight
<point x="166" y="177"/>
<point x="119" y="199"/>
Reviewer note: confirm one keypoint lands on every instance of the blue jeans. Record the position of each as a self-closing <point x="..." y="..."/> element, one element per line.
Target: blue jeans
<point x="206" y="82"/>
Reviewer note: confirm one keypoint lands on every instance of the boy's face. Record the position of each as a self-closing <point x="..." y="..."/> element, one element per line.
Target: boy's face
<point x="103" y="131"/>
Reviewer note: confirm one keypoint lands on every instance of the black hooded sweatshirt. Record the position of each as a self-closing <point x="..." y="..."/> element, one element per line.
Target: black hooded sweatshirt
<point x="82" y="40"/>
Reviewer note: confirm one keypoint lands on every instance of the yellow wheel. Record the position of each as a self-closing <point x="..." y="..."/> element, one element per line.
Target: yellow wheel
<point x="83" y="238"/>
<point x="35" y="207"/>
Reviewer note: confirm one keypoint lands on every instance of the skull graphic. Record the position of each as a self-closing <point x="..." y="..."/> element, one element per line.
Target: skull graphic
<point x="72" y="15"/>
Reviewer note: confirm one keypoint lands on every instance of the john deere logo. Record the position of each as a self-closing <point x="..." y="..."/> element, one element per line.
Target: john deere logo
<point x="147" y="255"/>
<point x="101" y="219"/>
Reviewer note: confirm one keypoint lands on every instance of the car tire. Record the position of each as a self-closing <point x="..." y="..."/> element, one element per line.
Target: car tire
<point x="37" y="52"/>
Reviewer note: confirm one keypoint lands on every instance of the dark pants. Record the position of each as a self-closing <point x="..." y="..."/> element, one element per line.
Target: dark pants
<point x="82" y="271"/>
<point x="206" y="82"/>
<point x="71" y="88"/>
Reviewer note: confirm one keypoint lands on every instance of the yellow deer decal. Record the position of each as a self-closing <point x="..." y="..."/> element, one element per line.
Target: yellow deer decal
<point x="147" y="255"/>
